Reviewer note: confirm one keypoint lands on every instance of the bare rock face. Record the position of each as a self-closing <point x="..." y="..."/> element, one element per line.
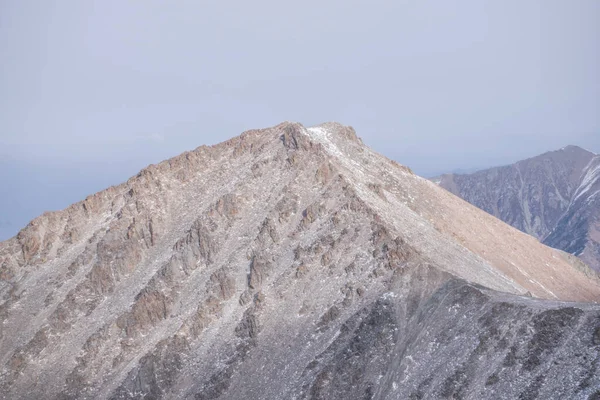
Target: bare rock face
<point x="290" y="262"/>
<point x="578" y="230"/>
<point x="554" y="197"/>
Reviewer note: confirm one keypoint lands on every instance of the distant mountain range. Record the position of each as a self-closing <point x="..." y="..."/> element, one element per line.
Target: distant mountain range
<point x="554" y="197"/>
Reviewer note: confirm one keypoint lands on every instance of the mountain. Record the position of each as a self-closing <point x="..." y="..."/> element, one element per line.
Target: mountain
<point x="290" y="263"/>
<point x="554" y="197"/>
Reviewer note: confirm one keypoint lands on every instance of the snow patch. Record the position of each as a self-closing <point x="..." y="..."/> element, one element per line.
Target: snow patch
<point x="322" y="136"/>
<point x="590" y="178"/>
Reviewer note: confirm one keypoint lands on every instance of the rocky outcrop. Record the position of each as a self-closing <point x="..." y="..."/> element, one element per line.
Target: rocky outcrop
<point x="289" y="262"/>
<point x="553" y="197"/>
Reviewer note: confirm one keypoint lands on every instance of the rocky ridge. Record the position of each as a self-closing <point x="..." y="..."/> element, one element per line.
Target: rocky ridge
<point x="290" y="262"/>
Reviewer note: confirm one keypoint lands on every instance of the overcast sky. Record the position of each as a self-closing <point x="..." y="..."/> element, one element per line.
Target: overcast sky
<point x="92" y="91"/>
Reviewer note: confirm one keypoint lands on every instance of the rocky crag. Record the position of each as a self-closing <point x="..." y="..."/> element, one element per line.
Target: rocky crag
<point x="554" y="197"/>
<point x="290" y="263"/>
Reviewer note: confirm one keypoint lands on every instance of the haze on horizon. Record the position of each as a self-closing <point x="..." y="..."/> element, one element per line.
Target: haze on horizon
<point x="91" y="92"/>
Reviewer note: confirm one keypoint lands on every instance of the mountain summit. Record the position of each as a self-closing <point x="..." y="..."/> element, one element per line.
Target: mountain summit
<point x="290" y="262"/>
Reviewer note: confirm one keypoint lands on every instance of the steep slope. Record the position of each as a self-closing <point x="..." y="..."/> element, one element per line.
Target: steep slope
<point x="578" y="230"/>
<point x="287" y="263"/>
<point x="551" y="197"/>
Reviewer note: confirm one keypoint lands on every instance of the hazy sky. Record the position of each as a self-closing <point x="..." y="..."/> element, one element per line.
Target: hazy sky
<point x="92" y="91"/>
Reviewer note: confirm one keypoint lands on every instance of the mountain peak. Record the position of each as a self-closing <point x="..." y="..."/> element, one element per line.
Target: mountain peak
<point x="576" y="149"/>
<point x="331" y="135"/>
<point x="227" y="270"/>
<point x="569" y="152"/>
<point x="572" y="147"/>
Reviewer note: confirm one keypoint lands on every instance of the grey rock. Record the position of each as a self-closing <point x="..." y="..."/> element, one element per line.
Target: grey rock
<point x="289" y="262"/>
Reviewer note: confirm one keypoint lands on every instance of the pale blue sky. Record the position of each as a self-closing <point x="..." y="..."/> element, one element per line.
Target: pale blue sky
<point x="92" y="91"/>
